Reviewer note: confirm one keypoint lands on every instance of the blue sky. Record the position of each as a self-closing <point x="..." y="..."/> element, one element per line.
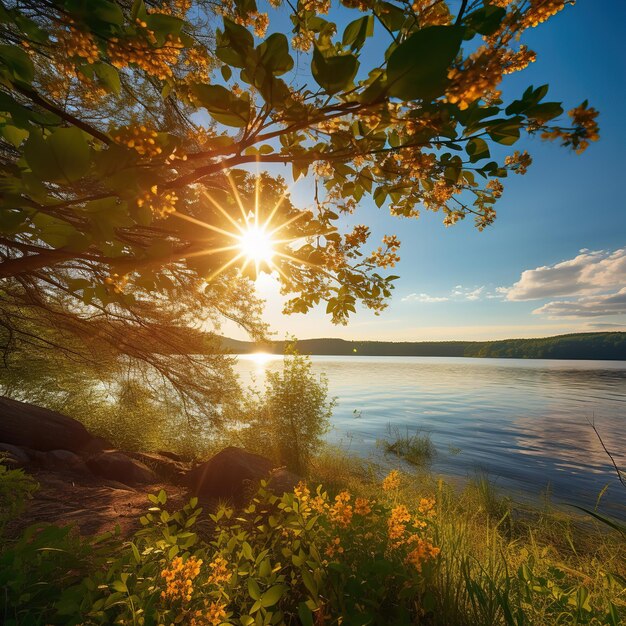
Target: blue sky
<point x="525" y="275"/>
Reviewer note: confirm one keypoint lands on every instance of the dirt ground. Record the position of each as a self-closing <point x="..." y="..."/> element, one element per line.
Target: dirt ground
<point x="94" y="505"/>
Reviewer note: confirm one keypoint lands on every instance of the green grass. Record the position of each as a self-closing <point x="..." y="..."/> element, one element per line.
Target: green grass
<point x="504" y="563"/>
<point x="416" y="449"/>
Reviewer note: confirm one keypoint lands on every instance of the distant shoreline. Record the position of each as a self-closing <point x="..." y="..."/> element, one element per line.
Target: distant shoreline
<point x="606" y="346"/>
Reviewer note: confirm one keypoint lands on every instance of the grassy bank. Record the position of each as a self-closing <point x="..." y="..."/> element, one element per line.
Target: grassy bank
<point x="408" y="550"/>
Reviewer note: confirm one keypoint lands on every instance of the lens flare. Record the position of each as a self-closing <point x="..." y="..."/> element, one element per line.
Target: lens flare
<point x="256" y="244"/>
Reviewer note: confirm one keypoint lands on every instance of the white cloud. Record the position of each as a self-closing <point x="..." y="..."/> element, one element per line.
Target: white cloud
<point x="587" y="306"/>
<point x="424" y="297"/>
<point x="458" y="293"/>
<point x="586" y="274"/>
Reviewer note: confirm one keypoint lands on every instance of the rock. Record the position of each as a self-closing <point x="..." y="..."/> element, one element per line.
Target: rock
<point x="165" y="467"/>
<point x="13" y="456"/>
<point x="62" y="460"/>
<point x="117" y="466"/>
<point x="173" y="456"/>
<point x="95" y="446"/>
<point x="231" y="474"/>
<point x="282" y="480"/>
<point x="30" y="426"/>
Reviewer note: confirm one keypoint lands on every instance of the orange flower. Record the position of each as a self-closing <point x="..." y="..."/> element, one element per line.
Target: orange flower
<point x="396" y="524"/>
<point x="391" y="481"/>
<point x="341" y="512"/>
<point x="179" y="578"/>
<point x="362" y="506"/>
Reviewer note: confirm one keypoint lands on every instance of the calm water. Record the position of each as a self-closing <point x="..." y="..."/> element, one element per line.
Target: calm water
<point x="524" y="422"/>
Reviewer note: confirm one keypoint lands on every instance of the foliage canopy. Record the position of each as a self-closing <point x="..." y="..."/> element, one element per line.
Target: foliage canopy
<point x="126" y="132"/>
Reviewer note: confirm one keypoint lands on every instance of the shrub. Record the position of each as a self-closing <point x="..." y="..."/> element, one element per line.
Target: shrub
<point x="287" y="420"/>
<point x="16" y="487"/>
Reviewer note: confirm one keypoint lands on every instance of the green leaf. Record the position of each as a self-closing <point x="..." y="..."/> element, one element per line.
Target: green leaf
<point x="390" y="15"/>
<point x="14" y="135"/>
<point x="17" y="62"/>
<point x="333" y="73"/>
<point x="485" y="21"/>
<point x="108" y="76"/>
<point x="545" y="111"/>
<point x="272" y="595"/>
<point x="380" y="195"/>
<point x="108" y="12"/>
<point x="120" y="586"/>
<point x="11" y="220"/>
<point x="253" y="589"/>
<point x="233" y="44"/>
<point x="223" y="106"/>
<point x="274" y="54"/>
<point x="305" y="614"/>
<point x="226" y="72"/>
<point x="418" y="67"/>
<point x="478" y="149"/>
<point x="164" y="25"/>
<point x="506" y="134"/>
<point x="63" y="156"/>
<point x="358" y="31"/>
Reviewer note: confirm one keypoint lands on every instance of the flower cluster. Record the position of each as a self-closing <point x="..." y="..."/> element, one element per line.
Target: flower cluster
<point x="78" y="43"/>
<point x="323" y="169"/>
<point x="541" y="10"/>
<point x="358" y="236"/>
<point x="160" y="205"/>
<point x="391" y="482"/>
<point x="341" y="512"/>
<point x="386" y="256"/>
<point x="177" y="8"/>
<point x="116" y="282"/>
<point x="482" y="72"/>
<point x="303" y="40"/>
<point x="141" y="138"/>
<point x="179" y="577"/>
<point x="362" y="506"/>
<point x="396" y="524"/>
<point x="219" y="572"/>
<point x="519" y="162"/>
<point x="423" y="550"/>
<point x="213" y="614"/>
<point x="144" y="53"/>
<point x="432" y="12"/>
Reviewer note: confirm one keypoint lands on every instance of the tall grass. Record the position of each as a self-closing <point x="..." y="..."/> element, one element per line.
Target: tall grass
<point x="415" y="448"/>
<point x="504" y="564"/>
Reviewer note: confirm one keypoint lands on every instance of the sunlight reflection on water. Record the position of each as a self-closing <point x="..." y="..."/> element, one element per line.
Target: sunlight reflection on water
<point x="524" y="422"/>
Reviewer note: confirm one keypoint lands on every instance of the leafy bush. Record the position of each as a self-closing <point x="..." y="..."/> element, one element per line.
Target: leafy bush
<point x="287" y="420"/>
<point x="15" y="488"/>
<point x="301" y="556"/>
<point x="394" y="556"/>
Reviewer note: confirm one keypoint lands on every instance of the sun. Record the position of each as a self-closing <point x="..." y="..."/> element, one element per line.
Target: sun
<point x="256" y="244"/>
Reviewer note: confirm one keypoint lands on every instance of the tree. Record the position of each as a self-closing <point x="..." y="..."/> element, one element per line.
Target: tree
<point x="289" y="417"/>
<point x="128" y="144"/>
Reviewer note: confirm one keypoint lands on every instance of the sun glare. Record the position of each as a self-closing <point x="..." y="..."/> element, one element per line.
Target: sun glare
<point x="256" y="244"/>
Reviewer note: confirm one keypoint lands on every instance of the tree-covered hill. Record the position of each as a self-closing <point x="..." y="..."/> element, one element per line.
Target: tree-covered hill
<point x="605" y="345"/>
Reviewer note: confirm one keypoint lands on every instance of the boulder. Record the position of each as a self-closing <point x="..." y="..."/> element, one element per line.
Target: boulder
<point x="30" y="426"/>
<point x="164" y="467"/>
<point x="13" y="456"/>
<point x="62" y="460"/>
<point x="282" y="480"/>
<point x="231" y="474"/>
<point x="117" y="466"/>
<point x="95" y="446"/>
<point x="173" y="456"/>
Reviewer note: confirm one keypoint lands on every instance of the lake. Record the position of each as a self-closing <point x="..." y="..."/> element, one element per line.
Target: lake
<point x="525" y="423"/>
